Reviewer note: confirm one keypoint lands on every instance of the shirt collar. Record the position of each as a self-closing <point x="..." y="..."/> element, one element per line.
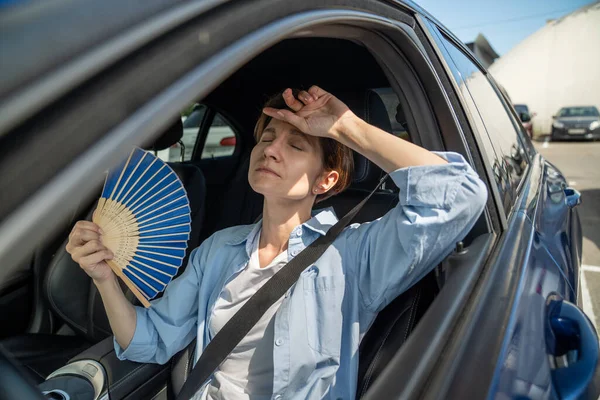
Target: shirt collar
<point x="322" y="220"/>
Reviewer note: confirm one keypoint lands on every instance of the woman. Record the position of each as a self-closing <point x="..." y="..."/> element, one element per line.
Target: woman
<point x="306" y="345"/>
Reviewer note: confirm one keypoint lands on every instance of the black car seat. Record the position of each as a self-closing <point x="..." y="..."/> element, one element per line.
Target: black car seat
<point x="72" y="296"/>
<point x="395" y="322"/>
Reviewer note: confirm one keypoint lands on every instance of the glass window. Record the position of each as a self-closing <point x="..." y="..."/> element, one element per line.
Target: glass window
<point x="191" y="128"/>
<point x="195" y="118"/>
<point x="503" y="147"/>
<point x="578" y="112"/>
<point x="221" y="139"/>
<point x="395" y="112"/>
<point x="521" y="108"/>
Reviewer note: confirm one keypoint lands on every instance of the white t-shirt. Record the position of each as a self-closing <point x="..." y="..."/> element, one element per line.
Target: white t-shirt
<point x="247" y="373"/>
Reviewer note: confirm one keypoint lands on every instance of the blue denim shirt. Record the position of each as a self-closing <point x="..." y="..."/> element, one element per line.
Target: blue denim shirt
<point x="324" y="316"/>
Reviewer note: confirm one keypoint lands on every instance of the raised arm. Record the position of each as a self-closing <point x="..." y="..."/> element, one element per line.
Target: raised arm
<point x="440" y="198"/>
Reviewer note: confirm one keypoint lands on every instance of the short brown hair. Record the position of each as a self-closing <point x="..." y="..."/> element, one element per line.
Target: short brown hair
<point x="335" y="156"/>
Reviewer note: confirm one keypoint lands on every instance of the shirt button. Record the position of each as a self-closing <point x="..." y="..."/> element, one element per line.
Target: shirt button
<point x="279" y="342"/>
<point x="295" y="252"/>
<point x="298" y="232"/>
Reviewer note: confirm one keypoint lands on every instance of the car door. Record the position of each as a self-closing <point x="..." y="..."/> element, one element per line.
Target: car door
<point x="536" y="357"/>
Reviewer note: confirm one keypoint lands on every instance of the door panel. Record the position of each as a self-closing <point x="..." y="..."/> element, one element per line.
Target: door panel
<point x="557" y="225"/>
<point x="523" y="369"/>
<point x="534" y="359"/>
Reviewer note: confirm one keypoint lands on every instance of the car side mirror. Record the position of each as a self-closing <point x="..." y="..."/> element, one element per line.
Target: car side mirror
<point x="554" y="117"/>
<point x="525" y="117"/>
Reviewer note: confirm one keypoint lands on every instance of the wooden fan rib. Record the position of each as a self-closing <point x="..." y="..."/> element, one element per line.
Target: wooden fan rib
<point x="101" y="200"/>
<point x="124" y="219"/>
<point x="142" y="216"/>
<point x="124" y="201"/>
<point x="118" y="182"/>
<point x="135" y="206"/>
<point x="131" y="174"/>
<point x="160" y="262"/>
<point x="164" y="247"/>
<point x="149" y="276"/>
<point x="161" y="254"/>
<point x="168" y="212"/>
<point x="137" y="293"/>
<point x="136" y="197"/>
<point x="183" y="218"/>
<point x="121" y="200"/>
<point x="153" y="268"/>
<point x="145" y="238"/>
<point x="153" y="292"/>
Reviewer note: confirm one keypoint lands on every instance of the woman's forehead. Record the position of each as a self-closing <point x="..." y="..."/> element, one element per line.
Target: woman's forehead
<point x="278" y="127"/>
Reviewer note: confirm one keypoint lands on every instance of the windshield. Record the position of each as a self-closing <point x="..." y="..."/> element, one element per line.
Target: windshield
<point x="579" y="112"/>
<point x="521" y="108"/>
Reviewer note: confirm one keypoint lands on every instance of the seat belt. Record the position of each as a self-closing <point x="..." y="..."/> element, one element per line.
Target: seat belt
<point x="242" y="321"/>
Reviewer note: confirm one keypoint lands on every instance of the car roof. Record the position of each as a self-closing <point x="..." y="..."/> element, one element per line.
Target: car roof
<point x="24" y="26"/>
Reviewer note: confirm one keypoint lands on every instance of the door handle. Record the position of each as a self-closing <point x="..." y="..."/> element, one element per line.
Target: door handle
<point x="574" y="338"/>
<point x="572" y="196"/>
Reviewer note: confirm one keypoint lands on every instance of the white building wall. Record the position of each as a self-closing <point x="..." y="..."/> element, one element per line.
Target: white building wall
<point x="557" y="66"/>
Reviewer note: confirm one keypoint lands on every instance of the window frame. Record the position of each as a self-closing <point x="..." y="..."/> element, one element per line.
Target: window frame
<point x="514" y="188"/>
<point x="205" y="130"/>
<point x="432" y="30"/>
<point x="518" y="131"/>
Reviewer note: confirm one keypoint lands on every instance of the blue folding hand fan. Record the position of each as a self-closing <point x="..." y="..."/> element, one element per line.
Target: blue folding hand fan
<point x="144" y="214"/>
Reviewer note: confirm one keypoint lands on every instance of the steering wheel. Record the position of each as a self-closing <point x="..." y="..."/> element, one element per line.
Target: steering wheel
<point x="14" y="382"/>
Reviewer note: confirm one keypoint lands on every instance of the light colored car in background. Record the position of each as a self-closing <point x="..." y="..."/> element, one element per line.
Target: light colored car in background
<point x="220" y="140"/>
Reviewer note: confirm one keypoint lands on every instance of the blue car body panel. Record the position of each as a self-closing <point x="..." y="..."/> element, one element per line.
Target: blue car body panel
<point x="550" y="271"/>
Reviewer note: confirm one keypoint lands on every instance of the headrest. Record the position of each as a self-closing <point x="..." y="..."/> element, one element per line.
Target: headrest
<point x="171" y="136"/>
<point x="369" y="106"/>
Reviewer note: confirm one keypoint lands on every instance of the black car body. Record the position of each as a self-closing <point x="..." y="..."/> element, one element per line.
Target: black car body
<point x="581" y="122"/>
<point x="84" y="81"/>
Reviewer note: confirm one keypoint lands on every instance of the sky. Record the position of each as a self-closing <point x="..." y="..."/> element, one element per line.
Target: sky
<point x="504" y="23"/>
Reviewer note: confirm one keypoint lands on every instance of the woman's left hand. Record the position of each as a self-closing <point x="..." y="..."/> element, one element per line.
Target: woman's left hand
<point x="316" y="112"/>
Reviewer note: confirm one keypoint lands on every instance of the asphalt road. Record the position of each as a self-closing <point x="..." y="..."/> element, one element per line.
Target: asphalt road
<point x="580" y="163"/>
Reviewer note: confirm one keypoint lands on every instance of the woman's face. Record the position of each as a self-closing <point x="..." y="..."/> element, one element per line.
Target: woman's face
<point x="285" y="163"/>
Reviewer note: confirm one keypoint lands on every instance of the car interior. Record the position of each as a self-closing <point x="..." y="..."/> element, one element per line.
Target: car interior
<point x="65" y="318"/>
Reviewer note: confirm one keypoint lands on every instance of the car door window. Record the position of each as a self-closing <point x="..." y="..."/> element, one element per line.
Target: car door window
<point x="503" y="146"/>
<point x="191" y="128"/>
<point x="395" y="112"/>
<point x="221" y="139"/>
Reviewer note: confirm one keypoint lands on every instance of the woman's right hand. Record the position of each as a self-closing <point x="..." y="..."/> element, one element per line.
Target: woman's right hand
<point x="87" y="250"/>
